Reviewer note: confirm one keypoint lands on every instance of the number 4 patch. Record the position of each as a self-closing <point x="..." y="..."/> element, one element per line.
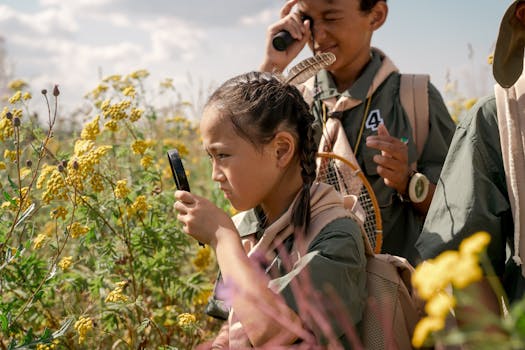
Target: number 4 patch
<point x="373" y="120"/>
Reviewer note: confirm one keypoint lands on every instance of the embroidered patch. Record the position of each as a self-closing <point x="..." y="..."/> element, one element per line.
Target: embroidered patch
<point x="373" y="120"/>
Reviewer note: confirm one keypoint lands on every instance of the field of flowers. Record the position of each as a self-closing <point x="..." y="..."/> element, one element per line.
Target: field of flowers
<point x="91" y="254"/>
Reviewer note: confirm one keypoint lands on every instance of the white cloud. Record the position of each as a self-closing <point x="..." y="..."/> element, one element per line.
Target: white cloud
<point x="264" y="17"/>
<point x="50" y="20"/>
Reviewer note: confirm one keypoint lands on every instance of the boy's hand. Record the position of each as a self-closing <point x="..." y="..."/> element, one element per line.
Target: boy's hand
<point x="392" y="163"/>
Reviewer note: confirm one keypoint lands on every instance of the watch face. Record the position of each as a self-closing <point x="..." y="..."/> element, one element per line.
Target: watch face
<point x="419" y="188"/>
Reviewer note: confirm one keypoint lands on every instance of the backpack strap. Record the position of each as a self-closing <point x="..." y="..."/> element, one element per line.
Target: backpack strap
<point x="413" y="93"/>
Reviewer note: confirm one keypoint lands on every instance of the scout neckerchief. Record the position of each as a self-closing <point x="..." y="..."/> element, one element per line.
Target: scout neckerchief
<point x="511" y="123"/>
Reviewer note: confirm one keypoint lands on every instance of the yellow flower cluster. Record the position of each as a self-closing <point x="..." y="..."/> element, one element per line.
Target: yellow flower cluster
<point x="202" y="297"/>
<point x="65" y="263"/>
<point x="17" y="84"/>
<point x="111" y="125"/>
<point x="59" y="213"/>
<point x="116" y="295"/>
<point x="98" y="91"/>
<point x="39" y="241"/>
<point x="2" y="166"/>
<point x="77" y="230"/>
<point x="139" y="207"/>
<point x="83" y="164"/>
<point x="173" y="143"/>
<point x="6" y="125"/>
<point x="16" y="97"/>
<point x="129" y="91"/>
<point x="135" y="114"/>
<point x="121" y="189"/>
<point x="91" y="129"/>
<point x="139" y="74"/>
<point x="139" y="146"/>
<point x="146" y="161"/>
<point x="203" y="258"/>
<point x="83" y="326"/>
<point x="10" y="155"/>
<point x="55" y="186"/>
<point x="48" y="346"/>
<point x="432" y="277"/>
<point x="23" y="202"/>
<point x="186" y="320"/>
<point x="117" y="111"/>
<point x="97" y="183"/>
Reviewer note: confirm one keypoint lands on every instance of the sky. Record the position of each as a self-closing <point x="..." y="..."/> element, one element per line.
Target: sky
<point x="200" y="43"/>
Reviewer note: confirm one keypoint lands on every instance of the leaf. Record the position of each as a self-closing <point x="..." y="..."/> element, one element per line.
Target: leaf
<point x="8" y="198"/>
<point x="307" y="68"/>
<point x="4" y="323"/>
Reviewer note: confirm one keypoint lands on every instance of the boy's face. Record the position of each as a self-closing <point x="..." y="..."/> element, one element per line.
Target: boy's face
<point x="341" y="28"/>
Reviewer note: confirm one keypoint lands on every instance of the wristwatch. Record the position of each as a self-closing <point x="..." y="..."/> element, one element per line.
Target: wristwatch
<point x="417" y="188"/>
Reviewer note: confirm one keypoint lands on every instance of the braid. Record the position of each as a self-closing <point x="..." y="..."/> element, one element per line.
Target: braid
<point x="307" y="151"/>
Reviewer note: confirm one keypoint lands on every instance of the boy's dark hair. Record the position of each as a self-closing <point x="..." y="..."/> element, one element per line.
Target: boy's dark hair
<point x="367" y="5"/>
<point x="259" y="105"/>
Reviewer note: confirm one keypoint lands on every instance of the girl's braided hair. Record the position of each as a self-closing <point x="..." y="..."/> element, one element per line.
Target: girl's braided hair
<point x="259" y="105"/>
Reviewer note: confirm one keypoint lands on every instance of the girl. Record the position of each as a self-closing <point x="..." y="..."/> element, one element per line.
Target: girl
<point x="257" y="131"/>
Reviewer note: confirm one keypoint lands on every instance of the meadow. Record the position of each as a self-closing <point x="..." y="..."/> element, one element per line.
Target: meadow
<point x="91" y="253"/>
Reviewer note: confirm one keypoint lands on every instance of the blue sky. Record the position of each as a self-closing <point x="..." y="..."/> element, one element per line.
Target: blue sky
<point x="200" y="43"/>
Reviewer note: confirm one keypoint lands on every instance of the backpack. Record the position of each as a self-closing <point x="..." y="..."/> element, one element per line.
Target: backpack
<point x="392" y="308"/>
<point x="413" y="93"/>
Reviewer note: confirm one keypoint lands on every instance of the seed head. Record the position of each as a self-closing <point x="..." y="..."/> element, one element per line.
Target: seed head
<point x="56" y="92"/>
<point x="16" y="121"/>
<point x="44" y="91"/>
<point x="29" y="163"/>
<point x="9" y="115"/>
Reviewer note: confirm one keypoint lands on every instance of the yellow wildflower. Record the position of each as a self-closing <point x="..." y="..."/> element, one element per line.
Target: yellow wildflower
<point x="16" y="97"/>
<point x="17" y="84"/>
<point x="139" y="206"/>
<point x="129" y="91"/>
<point x="469" y="103"/>
<point x="121" y="190"/>
<point x="139" y="147"/>
<point x="202" y="297"/>
<point x="135" y="114"/>
<point x="83" y="326"/>
<point x="91" y="130"/>
<point x="2" y="166"/>
<point x="490" y="59"/>
<point x="99" y="90"/>
<point x="116" y="295"/>
<point x="24" y="172"/>
<point x="6" y="128"/>
<point x="466" y="271"/>
<point x="97" y="183"/>
<point x="139" y="74"/>
<point x="440" y="305"/>
<point x="59" y="212"/>
<point x="474" y="244"/>
<point x="434" y="275"/>
<point x="167" y="84"/>
<point x="77" y="230"/>
<point x="186" y="320"/>
<point x="10" y="155"/>
<point x="65" y="263"/>
<point x="146" y="161"/>
<point x="26" y="96"/>
<point x="39" y="241"/>
<point x="111" y="125"/>
<point x="424" y="327"/>
<point x="113" y="78"/>
<point x="203" y="258"/>
<point x="49" y="228"/>
<point x="48" y="346"/>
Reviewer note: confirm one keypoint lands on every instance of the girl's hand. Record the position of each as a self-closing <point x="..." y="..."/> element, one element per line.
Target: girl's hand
<point x="276" y="61"/>
<point x="201" y="218"/>
<point x="392" y="164"/>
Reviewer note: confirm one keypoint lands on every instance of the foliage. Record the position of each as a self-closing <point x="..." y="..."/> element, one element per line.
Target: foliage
<point x="91" y="253"/>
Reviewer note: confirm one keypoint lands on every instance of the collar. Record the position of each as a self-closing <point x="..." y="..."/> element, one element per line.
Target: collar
<point x="361" y="86"/>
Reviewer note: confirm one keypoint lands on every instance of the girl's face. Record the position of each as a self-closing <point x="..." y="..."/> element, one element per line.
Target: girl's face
<point x="247" y="175"/>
